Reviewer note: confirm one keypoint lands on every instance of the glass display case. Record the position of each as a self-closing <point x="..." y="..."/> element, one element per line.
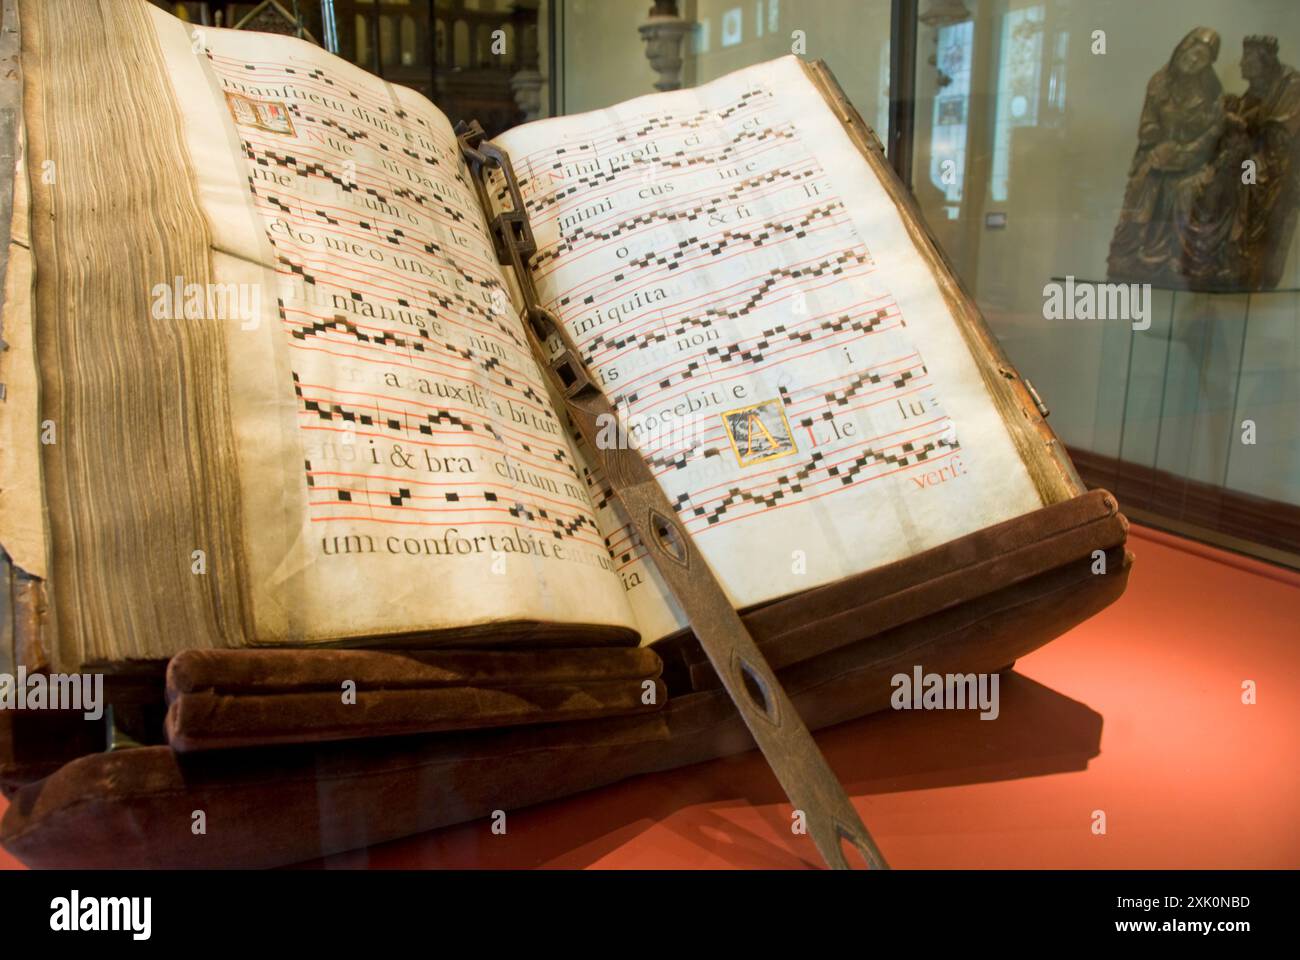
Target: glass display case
<point x="1016" y="126"/>
<point x="421" y="592"/>
<point x="1032" y="120"/>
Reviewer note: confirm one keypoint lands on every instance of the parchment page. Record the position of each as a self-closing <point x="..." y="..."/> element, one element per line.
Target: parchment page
<point x="402" y="468"/>
<point x="22" y="503"/>
<point x="749" y="297"/>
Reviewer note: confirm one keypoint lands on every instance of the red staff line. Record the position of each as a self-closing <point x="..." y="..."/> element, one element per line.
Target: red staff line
<point x="915" y="385"/>
<point x="851" y="449"/>
<point x="487" y="267"/>
<point x="521" y="399"/>
<point x="435" y="353"/>
<point x="558" y="207"/>
<point x="687" y="265"/>
<point x="377" y="270"/>
<point x="759" y="489"/>
<point x="405" y="226"/>
<point x="721" y="444"/>
<point x="382" y="107"/>
<point x="449" y="523"/>
<point x="710" y="297"/>
<point x="714" y="137"/>
<point x="517" y="372"/>
<point x="821" y="386"/>
<point x="643" y="229"/>
<point x="568" y="505"/>
<point x="620" y="129"/>
<point x="622" y="539"/>
<point x="333" y="279"/>
<point x="531" y="437"/>
<point x="334" y="275"/>
<point x="321" y="142"/>
<point x="701" y="262"/>
<point x="682" y="359"/>
<point x="682" y="308"/>
<point x="527" y="500"/>
<point x="544" y="467"/>
<point x="847" y="486"/>
<point x="686" y="174"/>
<point x="680" y="200"/>
<point x="713" y="381"/>
<point x="417" y="302"/>
<point x="413" y="483"/>
<point x="643" y="326"/>
<point x="442" y="363"/>
<point x="274" y="68"/>
<point x="718" y="436"/>
<point x="588" y="199"/>
<point x="312" y="128"/>
<point x="780" y="354"/>
<point x="536" y="461"/>
<point x="383" y="180"/>
<point x="581" y="535"/>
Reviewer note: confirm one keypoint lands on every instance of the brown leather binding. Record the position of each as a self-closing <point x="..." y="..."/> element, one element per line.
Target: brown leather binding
<point x="242" y="698"/>
<point x="945" y="577"/>
<point x="292" y="671"/>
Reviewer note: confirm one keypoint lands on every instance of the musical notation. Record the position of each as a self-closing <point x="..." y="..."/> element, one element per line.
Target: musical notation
<point x="715" y="281"/>
<point x="418" y="403"/>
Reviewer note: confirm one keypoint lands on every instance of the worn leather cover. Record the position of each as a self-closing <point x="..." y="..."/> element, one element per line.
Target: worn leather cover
<point x="273" y="806"/>
<point x="240" y="698"/>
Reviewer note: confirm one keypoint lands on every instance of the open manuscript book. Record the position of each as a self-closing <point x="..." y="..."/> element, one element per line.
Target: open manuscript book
<point x="290" y="397"/>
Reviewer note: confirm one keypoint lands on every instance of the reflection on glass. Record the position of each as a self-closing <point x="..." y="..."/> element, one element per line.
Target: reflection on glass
<point x="1192" y="421"/>
<point x="1019" y="72"/>
<point x="951" y="106"/>
<point x="1026" y="118"/>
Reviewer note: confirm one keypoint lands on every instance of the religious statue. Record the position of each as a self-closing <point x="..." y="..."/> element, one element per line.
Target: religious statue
<point x="1178" y="135"/>
<point x="1214" y="186"/>
<point x="1270" y="111"/>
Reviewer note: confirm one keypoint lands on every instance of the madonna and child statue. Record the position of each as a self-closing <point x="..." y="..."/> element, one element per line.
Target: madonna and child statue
<point x="1214" y="187"/>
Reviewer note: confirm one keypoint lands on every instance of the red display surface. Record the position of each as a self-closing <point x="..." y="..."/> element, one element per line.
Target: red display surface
<point x="1138" y="713"/>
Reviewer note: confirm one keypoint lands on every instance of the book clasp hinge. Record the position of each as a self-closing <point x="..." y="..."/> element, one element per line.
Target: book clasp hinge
<point x="1042" y="408"/>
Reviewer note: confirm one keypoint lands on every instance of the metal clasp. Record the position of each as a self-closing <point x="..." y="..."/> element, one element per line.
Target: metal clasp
<point x="511" y="231"/>
<point x="512" y="235"/>
<point x="1043" y="411"/>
